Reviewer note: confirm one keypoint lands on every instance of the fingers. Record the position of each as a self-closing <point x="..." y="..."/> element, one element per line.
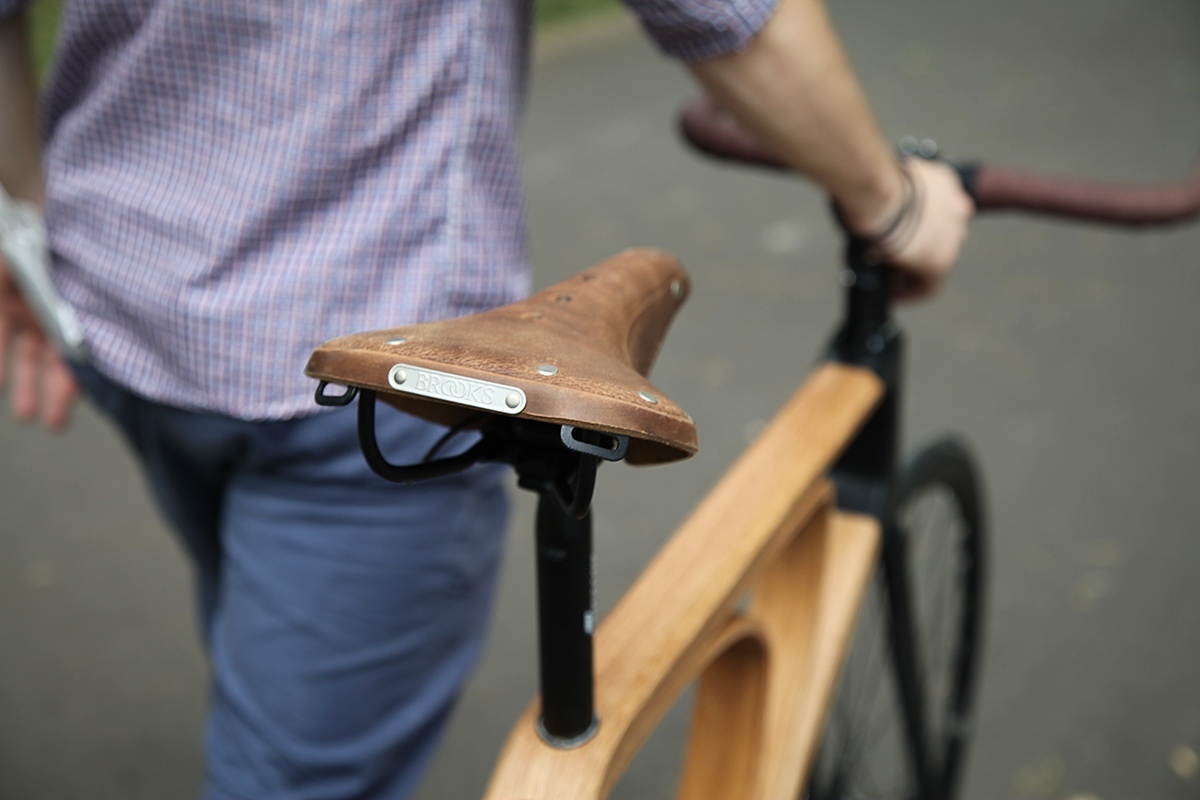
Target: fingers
<point x="908" y="286"/>
<point x="41" y="385"/>
<point x="59" y="391"/>
<point x="6" y="336"/>
<point x="7" y="317"/>
<point x="26" y="375"/>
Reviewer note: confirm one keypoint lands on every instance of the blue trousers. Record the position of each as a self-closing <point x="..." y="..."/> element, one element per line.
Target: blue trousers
<point x="341" y="613"/>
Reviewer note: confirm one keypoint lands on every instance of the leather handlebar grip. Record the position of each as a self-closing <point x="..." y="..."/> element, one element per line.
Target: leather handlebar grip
<point x="997" y="188"/>
<point x="716" y="134"/>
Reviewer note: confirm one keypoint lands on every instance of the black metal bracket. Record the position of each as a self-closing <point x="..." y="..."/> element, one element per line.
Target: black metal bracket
<point x="606" y="446"/>
<point x="344" y="399"/>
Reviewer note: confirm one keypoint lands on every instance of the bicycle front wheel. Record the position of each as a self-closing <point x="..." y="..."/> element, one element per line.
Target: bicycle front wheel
<point x="934" y="547"/>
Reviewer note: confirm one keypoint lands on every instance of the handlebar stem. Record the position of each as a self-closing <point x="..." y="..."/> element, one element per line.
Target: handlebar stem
<point x="868" y="338"/>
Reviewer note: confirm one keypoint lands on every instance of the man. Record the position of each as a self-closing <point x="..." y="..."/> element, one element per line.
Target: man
<point x="228" y="184"/>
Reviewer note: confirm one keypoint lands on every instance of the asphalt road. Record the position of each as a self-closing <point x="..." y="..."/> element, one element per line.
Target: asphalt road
<point x="1065" y="353"/>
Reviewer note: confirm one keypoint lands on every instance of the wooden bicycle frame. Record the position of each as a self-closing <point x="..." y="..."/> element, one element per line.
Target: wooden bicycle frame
<point x="768" y="531"/>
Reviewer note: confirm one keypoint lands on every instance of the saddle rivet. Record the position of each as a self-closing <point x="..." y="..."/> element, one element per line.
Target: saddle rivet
<point x="513" y="400"/>
<point x="677" y="289"/>
<point x="399" y="376"/>
<point x="547" y="369"/>
<point x="398" y="340"/>
<point x="649" y="398"/>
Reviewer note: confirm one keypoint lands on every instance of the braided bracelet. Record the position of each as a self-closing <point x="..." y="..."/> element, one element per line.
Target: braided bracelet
<point x="900" y="232"/>
<point x="901" y="216"/>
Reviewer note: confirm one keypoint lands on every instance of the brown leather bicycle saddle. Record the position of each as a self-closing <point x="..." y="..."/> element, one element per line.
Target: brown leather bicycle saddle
<point x="576" y="354"/>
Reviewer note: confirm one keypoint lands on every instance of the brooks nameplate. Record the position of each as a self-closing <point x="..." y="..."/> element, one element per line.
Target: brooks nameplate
<point x="456" y="389"/>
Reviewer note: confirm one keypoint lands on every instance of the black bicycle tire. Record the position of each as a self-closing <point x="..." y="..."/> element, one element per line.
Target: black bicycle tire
<point x="944" y="463"/>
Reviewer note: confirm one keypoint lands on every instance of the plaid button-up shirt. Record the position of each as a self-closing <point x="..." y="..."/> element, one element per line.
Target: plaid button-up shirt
<point x="230" y="183"/>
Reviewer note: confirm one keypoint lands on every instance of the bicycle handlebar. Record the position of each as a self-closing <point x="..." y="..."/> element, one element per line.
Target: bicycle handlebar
<point x="992" y="188"/>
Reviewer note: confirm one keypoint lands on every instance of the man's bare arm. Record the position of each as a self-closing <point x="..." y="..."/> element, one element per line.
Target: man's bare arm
<point x="20" y="145"/>
<point x="41" y="383"/>
<point x="794" y="88"/>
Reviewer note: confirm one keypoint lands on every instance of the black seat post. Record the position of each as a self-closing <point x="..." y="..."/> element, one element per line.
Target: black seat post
<point x="564" y="481"/>
<point x="565" y="624"/>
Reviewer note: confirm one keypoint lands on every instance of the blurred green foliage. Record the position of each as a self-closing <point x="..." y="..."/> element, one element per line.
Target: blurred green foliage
<point x="43" y="25"/>
<point x="552" y="11"/>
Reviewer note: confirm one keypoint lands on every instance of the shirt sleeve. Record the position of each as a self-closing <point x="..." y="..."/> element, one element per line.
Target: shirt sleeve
<point x="696" y="30"/>
<point x="10" y="8"/>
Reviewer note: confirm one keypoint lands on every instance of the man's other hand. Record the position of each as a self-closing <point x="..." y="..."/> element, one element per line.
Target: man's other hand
<point x="42" y="386"/>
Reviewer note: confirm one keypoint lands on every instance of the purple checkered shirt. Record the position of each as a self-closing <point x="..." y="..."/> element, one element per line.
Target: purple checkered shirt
<point x="230" y="183"/>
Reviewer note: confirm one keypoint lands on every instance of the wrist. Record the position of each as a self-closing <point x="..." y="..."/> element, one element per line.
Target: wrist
<point x="896" y="231"/>
<point x="876" y="205"/>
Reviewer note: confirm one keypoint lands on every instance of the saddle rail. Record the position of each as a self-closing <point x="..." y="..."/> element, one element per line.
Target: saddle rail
<point x="768" y="528"/>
